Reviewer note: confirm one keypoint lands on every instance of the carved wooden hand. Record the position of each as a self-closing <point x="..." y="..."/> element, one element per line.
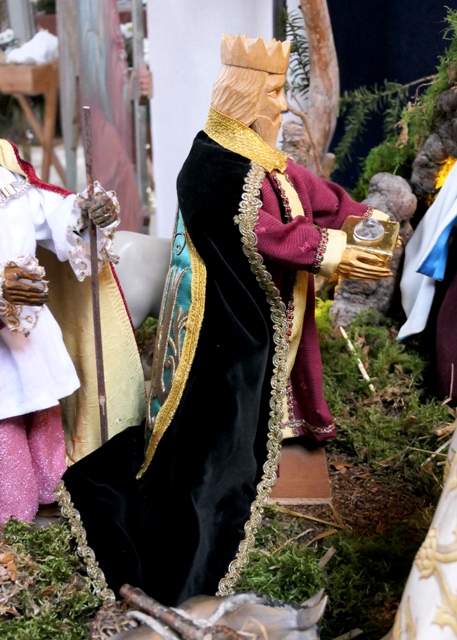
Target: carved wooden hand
<point x="101" y="209"/>
<point x="360" y="265"/>
<point x="16" y="291"/>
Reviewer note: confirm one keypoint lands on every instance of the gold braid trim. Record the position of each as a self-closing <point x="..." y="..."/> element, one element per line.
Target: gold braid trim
<point x="94" y="572"/>
<point x="193" y="326"/>
<point x="247" y="218"/>
<point x="237" y="137"/>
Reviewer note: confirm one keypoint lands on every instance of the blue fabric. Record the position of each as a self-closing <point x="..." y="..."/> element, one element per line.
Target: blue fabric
<point x="434" y="265"/>
<point x="180" y="267"/>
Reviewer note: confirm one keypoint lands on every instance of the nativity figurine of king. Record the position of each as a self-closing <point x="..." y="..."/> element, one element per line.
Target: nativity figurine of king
<point x="236" y="364"/>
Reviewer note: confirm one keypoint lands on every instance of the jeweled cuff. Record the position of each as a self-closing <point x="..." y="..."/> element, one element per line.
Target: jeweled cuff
<point x="321" y="249"/>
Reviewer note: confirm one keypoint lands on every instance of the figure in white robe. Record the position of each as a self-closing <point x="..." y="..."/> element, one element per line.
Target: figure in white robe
<point x="36" y="370"/>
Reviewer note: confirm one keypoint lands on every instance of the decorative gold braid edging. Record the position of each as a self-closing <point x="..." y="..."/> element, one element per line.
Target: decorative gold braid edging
<point x="96" y="575"/>
<point x="247" y="219"/>
<point x="193" y="326"/>
<point x="237" y="137"/>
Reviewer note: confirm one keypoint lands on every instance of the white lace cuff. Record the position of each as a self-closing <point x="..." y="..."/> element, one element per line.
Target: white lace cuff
<point x="78" y="238"/>
<point x="21" y="318"/>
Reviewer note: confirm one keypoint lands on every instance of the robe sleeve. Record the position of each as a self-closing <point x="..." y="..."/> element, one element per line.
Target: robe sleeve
<point x="59" y="227"/>
<point x="293" y="245"/>
<point x="315" y="242"/>
<point x="329" y="203"/>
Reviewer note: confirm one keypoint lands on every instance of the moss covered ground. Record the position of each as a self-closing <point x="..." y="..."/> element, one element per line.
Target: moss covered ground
<point x="384" y="487"/>
<point x="51" y="597"/>
<point x="384" y="492"/>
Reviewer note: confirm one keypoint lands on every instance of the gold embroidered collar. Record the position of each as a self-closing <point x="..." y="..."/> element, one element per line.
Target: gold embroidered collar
<point x="236" y="136"/>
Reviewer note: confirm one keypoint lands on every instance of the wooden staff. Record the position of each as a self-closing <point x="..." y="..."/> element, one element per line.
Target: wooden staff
<point x="94" y="280"/>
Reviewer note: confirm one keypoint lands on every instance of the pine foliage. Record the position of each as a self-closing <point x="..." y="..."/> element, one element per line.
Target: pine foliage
<point x="299" y="68"/>
<point x="418" y="120"/>
<point x="358" y="107"/>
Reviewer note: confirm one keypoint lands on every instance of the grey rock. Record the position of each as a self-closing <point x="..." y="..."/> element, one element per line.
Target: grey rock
<point x="428" y="160"/>
<point x="447" y="102"/>
<point x="393" y="195"/>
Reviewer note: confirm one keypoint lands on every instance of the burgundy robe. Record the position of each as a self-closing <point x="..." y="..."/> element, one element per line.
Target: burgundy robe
<point x="293" y="246"/>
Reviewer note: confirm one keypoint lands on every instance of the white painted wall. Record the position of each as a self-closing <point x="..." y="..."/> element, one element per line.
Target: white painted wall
<point x="184" y="44"/>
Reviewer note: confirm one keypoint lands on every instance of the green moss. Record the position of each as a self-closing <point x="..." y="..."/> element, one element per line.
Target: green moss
<point x="364" y="580"/>
<point x="366" y="576"/>
<point x="290" y="576"/>
<point x="399" y="415"/>
<point x="58" y="601"/>
<point x="146" y="332"/>
<point x="385" y="157"/>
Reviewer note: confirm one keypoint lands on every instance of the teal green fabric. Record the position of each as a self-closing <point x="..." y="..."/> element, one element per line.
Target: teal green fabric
<point x="180" y="298"/>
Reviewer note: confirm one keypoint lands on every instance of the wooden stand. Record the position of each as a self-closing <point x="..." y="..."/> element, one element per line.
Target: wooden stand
<point x="23" y="80"/>
<point x="302" y="477"/>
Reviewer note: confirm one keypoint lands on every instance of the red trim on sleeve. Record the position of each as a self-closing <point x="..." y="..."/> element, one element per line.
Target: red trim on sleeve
<point x="33" y="178"/>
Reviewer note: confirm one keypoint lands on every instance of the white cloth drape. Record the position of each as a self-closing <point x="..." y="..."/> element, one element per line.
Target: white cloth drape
<point x="418" y="289"/>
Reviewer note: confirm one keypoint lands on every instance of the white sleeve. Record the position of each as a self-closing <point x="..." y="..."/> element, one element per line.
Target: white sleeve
<point x="59" y="226"/>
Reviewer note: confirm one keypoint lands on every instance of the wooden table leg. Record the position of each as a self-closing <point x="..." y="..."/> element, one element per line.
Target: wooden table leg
<point x="49" y="155"/>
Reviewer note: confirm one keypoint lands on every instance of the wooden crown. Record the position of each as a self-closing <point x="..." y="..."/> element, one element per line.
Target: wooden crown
<point x="255" y="53"/>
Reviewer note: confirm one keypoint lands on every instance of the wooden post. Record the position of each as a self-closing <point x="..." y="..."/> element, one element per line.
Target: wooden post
<point x="21" y="19"/>
<point x="94" y="281"/>
<point x="139" y="107"/>
<point x="67" y="19"/>
<point x="309" y="144"/>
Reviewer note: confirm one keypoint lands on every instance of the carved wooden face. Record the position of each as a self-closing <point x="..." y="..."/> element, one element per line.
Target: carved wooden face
<point x="272" y="102"/>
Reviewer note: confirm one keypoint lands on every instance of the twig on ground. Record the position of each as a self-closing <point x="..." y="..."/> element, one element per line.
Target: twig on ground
<point x="395" y="455"/>
<point x="360" y="365"/>
<point x="447" y="430"/>
<point x="300" y="535"/>
<point x="337" y="517"/>
<point x="326" y="558"/>
<point x="297" y="514"/>
<point x="355" y="633"/>
<point x="437" y="452"/>
<point x="326" y="534"/>
<point x="434" y="453"/>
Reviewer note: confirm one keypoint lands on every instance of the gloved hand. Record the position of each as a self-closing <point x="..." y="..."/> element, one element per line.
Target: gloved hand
<point x="102" y="208"/>
<point x="361" y="265"/>
<point x="34" y="292"/>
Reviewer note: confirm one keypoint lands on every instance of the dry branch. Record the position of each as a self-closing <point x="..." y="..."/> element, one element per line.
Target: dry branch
<point x="297" y="514"/>
<point x="309" y="149"/>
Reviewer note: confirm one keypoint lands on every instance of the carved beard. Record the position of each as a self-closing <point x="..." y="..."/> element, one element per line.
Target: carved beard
<point x="267" y="129"/>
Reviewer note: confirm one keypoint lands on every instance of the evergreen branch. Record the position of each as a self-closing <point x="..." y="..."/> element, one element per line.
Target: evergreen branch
<point x="360" y="105"/>
<point x="299" y="66"/>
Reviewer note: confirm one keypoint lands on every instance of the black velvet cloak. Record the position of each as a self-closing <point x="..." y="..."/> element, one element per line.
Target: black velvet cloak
<point x="174" y="531"/>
